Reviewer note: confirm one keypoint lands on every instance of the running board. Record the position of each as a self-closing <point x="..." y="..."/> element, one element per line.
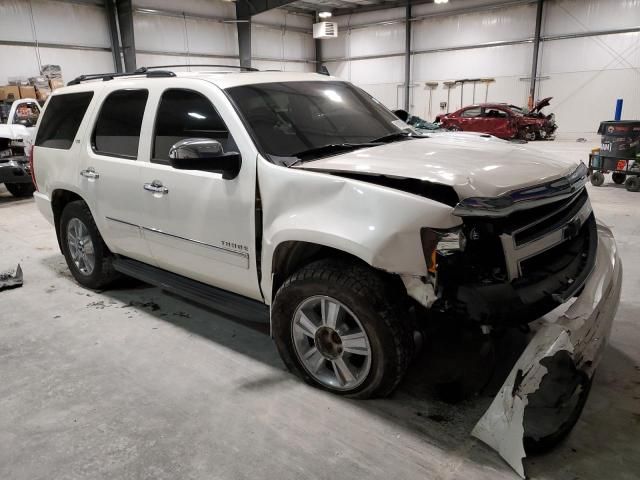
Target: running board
<point x="215" y="298"/>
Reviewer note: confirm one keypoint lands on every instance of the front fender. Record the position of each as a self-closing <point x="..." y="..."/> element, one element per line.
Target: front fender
<point x="377" y="224"/>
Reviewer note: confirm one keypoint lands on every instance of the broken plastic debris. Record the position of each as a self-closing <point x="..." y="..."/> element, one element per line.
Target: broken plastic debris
<point x="10" y="280"/>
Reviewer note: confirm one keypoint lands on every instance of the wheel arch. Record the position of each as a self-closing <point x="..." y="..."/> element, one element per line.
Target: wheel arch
<point x="290" y="256"/>
<point x="60" y="198"/>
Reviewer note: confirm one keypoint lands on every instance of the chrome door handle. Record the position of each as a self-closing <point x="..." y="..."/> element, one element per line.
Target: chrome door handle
<point x="90" y="173"/>
<point x="156" y="187"/>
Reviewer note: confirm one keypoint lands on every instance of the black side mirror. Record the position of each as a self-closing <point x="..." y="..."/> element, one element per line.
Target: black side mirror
<point x="206" y="155"/>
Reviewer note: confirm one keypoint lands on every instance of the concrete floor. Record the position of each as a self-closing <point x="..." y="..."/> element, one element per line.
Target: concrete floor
<point x="134" y="383"/>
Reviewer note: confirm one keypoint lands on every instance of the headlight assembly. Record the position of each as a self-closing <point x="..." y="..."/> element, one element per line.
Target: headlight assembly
<point x="443" y="241"/>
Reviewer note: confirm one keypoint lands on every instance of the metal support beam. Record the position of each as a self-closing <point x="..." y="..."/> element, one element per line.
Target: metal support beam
<point x="245" y="9"/>
<point x="536" y="49"/>
<point x="113" y="34"/>
<point x="318" y="46"/>
<point x="127" y="40"/>
<point x="407" y="55"/>
<point x="244" y="43"/>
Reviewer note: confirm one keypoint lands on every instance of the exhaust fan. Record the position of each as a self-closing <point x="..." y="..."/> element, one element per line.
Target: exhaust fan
<point x="325" y="30"/>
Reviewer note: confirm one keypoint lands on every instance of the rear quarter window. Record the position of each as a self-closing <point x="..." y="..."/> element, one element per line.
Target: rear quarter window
<point x="62" y="119"/>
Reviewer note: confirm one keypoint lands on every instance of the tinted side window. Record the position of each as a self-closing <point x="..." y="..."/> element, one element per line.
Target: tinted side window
<point x="495" y="113"/>
<point x="187" y="114"/>
<point x="117" y="130"/>
<point x="471" y="112"/>
<point x="61" y="120"/>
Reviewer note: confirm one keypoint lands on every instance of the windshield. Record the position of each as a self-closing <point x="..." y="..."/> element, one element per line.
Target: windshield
<point x="518" y="109"/>
<point x="292" y="117"/>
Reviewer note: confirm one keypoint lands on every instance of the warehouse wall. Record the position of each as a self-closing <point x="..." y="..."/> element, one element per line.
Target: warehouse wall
<point x="290" y="49"/>
<point x="586" y="75"/>
<point x="198" y="33"/>
<point x="193" y="31"/>
<point x="52" y="23"/>
<point x="188" y="33"/>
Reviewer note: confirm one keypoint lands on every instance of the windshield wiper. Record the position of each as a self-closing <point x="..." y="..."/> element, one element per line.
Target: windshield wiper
<point x="394" y="136"/>
<point x="329" y="149"/>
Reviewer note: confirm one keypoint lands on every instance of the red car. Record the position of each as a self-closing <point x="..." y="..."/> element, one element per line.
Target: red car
<point x="503" y="120"/>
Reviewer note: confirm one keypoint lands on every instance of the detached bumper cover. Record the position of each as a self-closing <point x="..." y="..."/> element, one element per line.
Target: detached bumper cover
<point x="14" y="170"/>
<point x="578" y="336"/>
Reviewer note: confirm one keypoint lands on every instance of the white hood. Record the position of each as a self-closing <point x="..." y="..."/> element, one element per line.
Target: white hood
<point x="474" y="165"/>
<point x="16" y="132"/>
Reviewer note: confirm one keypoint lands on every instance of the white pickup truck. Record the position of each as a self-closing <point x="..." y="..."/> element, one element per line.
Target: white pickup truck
<point x="302" y="193"/>
<point x="16" y="133"/>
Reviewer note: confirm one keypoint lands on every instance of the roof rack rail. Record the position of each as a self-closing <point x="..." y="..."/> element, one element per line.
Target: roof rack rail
<point x="238" y="67"/>
<point x="105" y="77"/>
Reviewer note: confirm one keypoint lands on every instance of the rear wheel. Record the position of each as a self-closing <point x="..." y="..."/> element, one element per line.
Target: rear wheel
<point x="597" y="179"/>
<point x="336" y="329"/>
<point x="20" y="189"/>
<point x="87" y="256"/>
<point x="618" y="177"/>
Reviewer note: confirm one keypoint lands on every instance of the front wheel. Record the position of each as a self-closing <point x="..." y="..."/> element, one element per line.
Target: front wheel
<point x="336" y="329"/>
<point x="20" y="190"/>
<point x="87" y="256"/>
<point x="527" y="134"/>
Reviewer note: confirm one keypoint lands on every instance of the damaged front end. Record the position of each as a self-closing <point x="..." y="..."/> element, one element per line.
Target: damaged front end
<point x="547" y="387"/>
<point x="516" y="258"/>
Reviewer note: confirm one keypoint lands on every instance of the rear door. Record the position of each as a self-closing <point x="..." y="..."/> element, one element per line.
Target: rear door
<point x="111" y="171"/>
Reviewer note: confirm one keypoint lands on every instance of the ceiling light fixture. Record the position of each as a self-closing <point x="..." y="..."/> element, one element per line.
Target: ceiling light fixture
<point x="440" y="1"/>
<point x="324" y="14"/>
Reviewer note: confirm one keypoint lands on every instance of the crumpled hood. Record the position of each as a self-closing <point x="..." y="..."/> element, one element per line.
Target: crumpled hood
<point x="474" y="165"/>
<point x="541" y="104"/>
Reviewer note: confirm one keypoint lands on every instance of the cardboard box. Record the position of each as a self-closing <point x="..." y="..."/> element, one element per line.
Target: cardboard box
<point x="10" y="92"/>
<point x="27" y="92"/>
<point x="43" y="93"/>
<point x="56" y="83"/>
<point x="3" y="95"/>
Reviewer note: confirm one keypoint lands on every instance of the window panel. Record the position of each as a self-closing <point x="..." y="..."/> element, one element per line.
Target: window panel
<point x="61" y="120"/>
<point x="117" y="130"/>
<point x="186" y="114"/>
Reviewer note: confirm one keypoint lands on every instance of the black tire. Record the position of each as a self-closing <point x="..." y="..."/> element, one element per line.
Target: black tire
<point x="618" y="178"/>
<point x="365" y="293"/>
<point x="632" y="184"/>
<point x="454" y="128"/>
<point x="103" y="273"/>
<point x="526" y="134"/>
<point x="20" y="190"/>
<point x="597" y="179"/>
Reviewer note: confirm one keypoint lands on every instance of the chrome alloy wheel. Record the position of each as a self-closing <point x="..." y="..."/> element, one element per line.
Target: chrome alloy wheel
<point x="331" y="343"/>
<point x="80" y="246"/>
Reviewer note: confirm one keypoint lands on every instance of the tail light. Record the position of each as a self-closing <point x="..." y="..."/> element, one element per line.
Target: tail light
<point x="31" y="169"/>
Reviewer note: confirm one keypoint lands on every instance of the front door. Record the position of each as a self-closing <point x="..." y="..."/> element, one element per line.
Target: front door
<point x="199" y="224"/>
<point x="497" y="121"/>
<point x="110" y="175"/>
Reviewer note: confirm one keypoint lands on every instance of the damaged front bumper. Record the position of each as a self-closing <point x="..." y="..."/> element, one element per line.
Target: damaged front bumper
<point x="14" y="170"/>
<point x="556" y="366"/>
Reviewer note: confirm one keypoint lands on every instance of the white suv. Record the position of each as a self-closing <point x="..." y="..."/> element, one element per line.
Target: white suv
<point x="303" y="193"/>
